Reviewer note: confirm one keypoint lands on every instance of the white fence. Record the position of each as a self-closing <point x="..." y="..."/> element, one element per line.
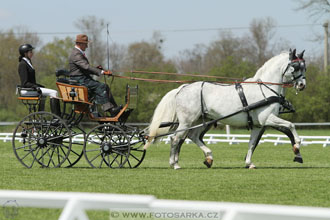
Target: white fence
<point x="225" y="138"/>
<point x="74" y="205"/>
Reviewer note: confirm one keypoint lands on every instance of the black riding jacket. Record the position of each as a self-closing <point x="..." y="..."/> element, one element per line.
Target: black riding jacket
<point x="27" y="75"/>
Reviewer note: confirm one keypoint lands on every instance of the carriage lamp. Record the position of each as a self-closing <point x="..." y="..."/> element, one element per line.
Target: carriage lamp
<point x="73" y="93"/>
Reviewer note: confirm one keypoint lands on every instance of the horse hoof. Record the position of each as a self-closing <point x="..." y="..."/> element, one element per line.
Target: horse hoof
<point x="176" y="167"/>
<point x="208" y="162"/>
<point x="298" y="159"/>
<point x="250" y="167"/>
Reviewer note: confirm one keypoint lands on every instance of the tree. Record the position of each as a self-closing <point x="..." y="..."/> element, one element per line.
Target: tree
<point x="51" y="57"/>
<point x="226" y="46"/>
<point x="317" y="9"/>
<point x="192" y="60"/>
<point x="117" y="54"/>
<point x="144" y="55"/>
<point x="309" y="104"/>
<point x="9" y="78"/>
<point x="94" y="28"/>
<point x="258" y="44"/>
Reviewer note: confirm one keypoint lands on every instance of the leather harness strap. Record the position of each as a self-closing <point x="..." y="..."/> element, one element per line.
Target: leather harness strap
<point x="202" y="104"/>
<point x="245" y="104"/>
<point x="246" y="108"/>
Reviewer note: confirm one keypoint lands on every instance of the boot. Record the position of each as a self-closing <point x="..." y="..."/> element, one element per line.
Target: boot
<point x="41" y="106"/>
<point x="109" y="107"/>
<point x="55" y="106"/>
<point x="115" y="110"/>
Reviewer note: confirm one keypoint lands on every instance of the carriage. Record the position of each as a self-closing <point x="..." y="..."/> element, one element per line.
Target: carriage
<point x="50" y="139"/>
<point x="57" y="139"/>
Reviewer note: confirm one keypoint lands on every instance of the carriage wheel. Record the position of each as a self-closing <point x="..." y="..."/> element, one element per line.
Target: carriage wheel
<point x="137" y="153"/>
<point x="78" y="136"/>
<point x="42" y="138"/>
<point x="107" y="146"/>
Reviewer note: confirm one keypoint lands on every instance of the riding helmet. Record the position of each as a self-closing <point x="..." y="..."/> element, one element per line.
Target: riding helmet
<point x="25" y="48"/>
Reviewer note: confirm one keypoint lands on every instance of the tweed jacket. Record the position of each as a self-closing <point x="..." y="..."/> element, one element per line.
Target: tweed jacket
<point x="79" y="65"/>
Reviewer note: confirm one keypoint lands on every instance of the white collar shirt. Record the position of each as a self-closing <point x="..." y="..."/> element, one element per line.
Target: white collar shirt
<point x="28" y="62"/>
<point x="80" y="50"/>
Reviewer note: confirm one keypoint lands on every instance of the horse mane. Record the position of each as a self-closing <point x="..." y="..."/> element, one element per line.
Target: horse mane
<point x="265" y="66"/>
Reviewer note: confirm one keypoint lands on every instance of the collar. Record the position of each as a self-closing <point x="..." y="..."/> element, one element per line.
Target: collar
<point x="80" y="50"/>
<point x="28" y="62"/>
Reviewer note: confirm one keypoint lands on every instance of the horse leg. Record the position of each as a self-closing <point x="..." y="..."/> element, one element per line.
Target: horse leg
<point x="256" y="134"/>
<point x="288" y="133"/>
<point x="289" y="129"/>
<point x="196" y="135"/>
<point x="176" y="141"/>
<point x="175" y="151"/>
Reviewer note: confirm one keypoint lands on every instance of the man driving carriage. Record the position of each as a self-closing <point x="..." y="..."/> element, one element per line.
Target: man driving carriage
<point x="82" y="71"/>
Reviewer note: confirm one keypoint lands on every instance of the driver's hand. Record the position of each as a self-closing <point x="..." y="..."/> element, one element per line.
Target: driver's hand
<point x="99" y="67"/>
<point x="107" y="72"/>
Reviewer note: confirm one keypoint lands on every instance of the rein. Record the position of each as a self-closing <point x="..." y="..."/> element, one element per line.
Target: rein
<point x="284" y="85"/>
<point x="180" y="74"/>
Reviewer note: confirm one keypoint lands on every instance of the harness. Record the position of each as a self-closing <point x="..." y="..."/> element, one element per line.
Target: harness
<point x="267" y="101"/>
<point x="286" y="106"/>
<point x="277" y="98"/>
<point x="202" y="104"/>
<point x="245" y="104"/>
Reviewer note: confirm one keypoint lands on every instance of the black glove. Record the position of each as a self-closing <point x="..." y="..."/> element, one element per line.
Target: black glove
<point x="38" y="90"/>
<point x="99" y="67"/>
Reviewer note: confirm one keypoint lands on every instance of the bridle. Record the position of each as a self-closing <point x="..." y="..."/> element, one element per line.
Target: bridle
<point x="296" y="64"/>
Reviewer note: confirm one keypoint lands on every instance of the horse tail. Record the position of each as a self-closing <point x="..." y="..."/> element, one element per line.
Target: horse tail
<point x="164" y="112"/>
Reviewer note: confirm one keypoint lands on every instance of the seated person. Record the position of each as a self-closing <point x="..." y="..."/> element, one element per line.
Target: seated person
<point x="27" y="75"/>
<point x="81" y="71"/>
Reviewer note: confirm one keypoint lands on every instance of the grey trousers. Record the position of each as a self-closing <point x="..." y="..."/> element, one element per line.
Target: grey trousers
<point x="100" y="91"/>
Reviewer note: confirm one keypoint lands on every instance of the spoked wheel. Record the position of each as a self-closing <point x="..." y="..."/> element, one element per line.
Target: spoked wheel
<point x="42" y="138"/>
<point x="107" y="146"/>
<point x="137" y="153"/>
<point x="78" y="136"/>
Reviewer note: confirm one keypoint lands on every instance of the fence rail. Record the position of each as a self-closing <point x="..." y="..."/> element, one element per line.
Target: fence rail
<point x="223" y="138"/>
<point x="74" y="205"/>
<point x="302" y="124"/>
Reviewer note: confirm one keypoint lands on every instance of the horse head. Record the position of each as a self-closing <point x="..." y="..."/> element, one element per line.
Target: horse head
<point x="295" y="70"/>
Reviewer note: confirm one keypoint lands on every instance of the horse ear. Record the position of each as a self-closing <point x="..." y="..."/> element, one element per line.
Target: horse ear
<point x="292" y="54"/>
<point x="300" y="56"/>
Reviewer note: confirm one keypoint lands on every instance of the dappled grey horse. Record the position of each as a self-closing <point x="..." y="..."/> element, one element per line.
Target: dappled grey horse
<point x="255" y="102"/>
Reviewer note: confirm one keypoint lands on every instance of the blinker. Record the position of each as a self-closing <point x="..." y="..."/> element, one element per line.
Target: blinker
<point x="298" y="65"/>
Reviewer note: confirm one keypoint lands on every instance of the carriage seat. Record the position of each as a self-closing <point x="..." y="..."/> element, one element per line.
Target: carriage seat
<point x="30" y="97"/>
<point x="73" y="93"/>
<point x="62" y="76"/>
<point x="27" y="92"/>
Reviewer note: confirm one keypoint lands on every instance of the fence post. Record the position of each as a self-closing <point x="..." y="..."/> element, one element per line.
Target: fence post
<point x="228" y="131"/>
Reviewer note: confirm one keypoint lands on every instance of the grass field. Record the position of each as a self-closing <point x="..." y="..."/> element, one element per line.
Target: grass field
<point x="277" y="180"/>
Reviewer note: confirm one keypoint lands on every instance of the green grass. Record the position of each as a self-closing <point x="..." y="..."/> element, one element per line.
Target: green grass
<point x="277" y="180"/>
